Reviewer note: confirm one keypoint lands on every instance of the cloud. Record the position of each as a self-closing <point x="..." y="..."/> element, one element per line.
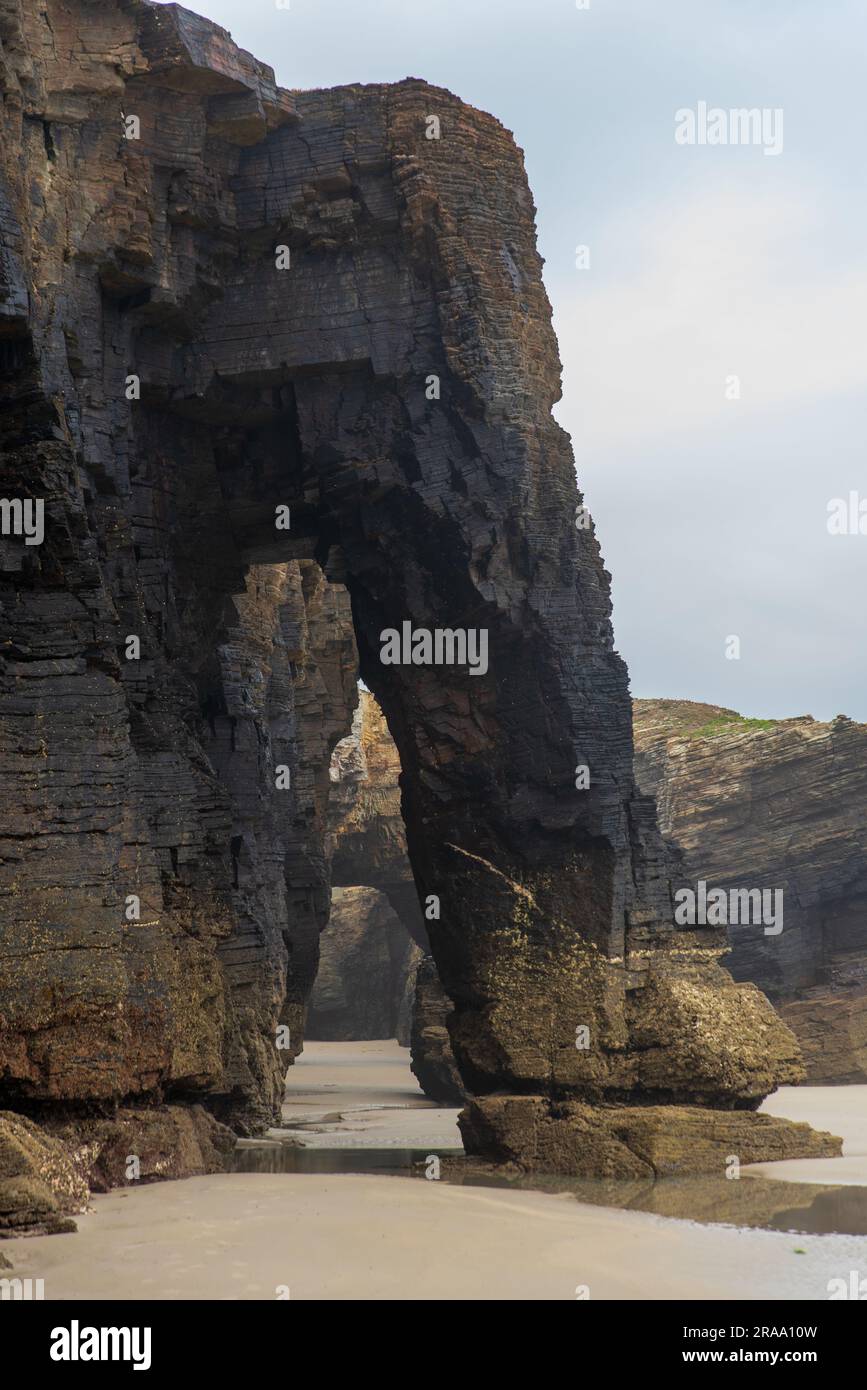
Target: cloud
<point x="724" y="282"/>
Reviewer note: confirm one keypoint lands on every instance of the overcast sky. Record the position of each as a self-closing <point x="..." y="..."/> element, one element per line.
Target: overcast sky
<point x="706" y="262"/>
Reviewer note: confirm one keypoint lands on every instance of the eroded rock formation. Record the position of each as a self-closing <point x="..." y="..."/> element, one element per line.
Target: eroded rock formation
<point x="161" y="896"/>
<point x="366" y="959"/>
<point x="776" y="804"/>
<point x="366" y="845"/>
<point x="40" y="1186"/>
<point x="643" y="1141"/>
<point x="366" y="841"/>
<point x="433" y="1062"/>
<point x="221" y="301"/>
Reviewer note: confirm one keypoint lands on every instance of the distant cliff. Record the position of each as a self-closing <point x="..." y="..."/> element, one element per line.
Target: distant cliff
<point x="366" y="844"/>
<point x="366" y="840"/>
<point x="758" y="803"/>
<point x="749" y="803"/>
<point x="367" y="965"/>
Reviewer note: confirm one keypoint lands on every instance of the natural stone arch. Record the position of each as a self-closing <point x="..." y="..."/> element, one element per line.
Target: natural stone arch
<point x="448" y="503"/>
<point x="460" y="512"/>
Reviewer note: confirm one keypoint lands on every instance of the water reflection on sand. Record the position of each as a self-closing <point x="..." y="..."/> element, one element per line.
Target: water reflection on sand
<point x="751" y="1200"/>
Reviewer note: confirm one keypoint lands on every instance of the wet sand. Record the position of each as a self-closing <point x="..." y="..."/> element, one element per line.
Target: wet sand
<point x="840" y="1109"/>
<point x="354" y="1236"/>
<point x="371" y="1086"/>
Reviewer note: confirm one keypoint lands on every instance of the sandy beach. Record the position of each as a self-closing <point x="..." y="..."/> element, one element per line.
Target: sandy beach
<point x="359" y="1236"/>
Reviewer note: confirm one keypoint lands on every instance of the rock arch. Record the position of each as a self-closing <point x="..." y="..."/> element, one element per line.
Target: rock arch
<point x="447" y="505"/>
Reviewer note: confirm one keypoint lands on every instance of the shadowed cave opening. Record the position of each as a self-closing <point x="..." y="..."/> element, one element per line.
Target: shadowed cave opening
<point x="463" y="745"/>
<point x="553" y="908"/>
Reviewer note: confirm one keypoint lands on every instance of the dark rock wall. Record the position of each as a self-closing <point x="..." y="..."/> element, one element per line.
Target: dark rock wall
<point x="309" y="388"/>
<point x="433" y="1062"/>
<point x="151" y="777"/>
<point x="366" y="961"/>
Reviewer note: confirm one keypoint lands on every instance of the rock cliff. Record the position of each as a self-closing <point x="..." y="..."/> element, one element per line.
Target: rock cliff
<point x="433" y="1062"/>
<point x="366" y="961"/>
<point x="758" y="803"/>
<point x="279" y="367"/>
<point x="366" y="841"/>
<point x="162" y="895"/>
<point x="366" y="848"/>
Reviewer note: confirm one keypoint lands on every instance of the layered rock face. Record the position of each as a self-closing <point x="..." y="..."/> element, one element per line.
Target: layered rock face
<point x="366" y="840"/>
<point x="281" y="368"/>
<point x="163" y="887"/>
<point x="643" y="1141"/>
<point x="40" y="1189"/>
<point x="776" y="804"/>
<point x="433" y="1063"/>
<point x="366" y="962"/>
<point x="366" y="847"/>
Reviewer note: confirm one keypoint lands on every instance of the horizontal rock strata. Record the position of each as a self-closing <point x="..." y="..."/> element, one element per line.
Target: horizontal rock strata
<point x="433" y="1063"/>
<point x="365" y="960"/>
<point x="366" y="841"/>
<point x="145" y="1145"/>
<point x="640" y="1141"/>
<point x="40" y="1186"/>
<point x="280" y="368"/>
<point x="776" y="804"/>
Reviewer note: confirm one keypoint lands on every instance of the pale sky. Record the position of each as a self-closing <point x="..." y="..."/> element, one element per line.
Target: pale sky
<point x="706" y="262"/>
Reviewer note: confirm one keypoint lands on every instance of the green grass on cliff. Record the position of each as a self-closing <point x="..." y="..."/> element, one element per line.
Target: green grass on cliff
<point x="728" y="724"/>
